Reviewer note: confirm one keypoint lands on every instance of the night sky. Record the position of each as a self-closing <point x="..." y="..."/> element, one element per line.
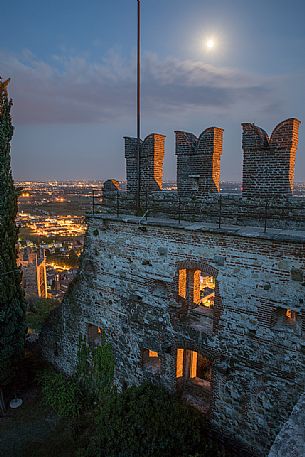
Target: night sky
<point x="73" y="70"/>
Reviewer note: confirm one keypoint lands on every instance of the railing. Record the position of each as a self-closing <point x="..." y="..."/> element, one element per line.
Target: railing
<point x="221" y="211"/>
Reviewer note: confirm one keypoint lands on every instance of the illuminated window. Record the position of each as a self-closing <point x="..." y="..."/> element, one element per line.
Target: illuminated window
<point x="207" y="290"/>
<point x="151" y="360"/>
<point x="291" y="316"/>
<point x="197" y="285"/>
<point x="179" y="363"/>
<point x="283" y="317"/>
<point x="182" y="283"/>
<point x="193" y="366"/>
<point x="94" y="335"/>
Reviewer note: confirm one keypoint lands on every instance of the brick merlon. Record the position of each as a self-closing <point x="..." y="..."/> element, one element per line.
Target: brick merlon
<point x="286" y="134"/>
<point x="254" y="136"/>
<point x="188" y="143"/>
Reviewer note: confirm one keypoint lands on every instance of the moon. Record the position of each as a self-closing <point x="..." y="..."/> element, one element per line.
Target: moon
<point x="210" y="44"/>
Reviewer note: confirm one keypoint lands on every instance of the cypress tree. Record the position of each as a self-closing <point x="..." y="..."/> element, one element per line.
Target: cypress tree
<point x="12" y="302"/>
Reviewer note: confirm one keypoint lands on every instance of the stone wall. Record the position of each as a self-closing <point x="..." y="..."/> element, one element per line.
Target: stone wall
<point x="129" y="286"/>
<point x="268" y="179"/>
<point x="268" y="167"/>
<point x="290" y="442"/>
<point x="216" y="209"/>
<point x="205" y="292"/>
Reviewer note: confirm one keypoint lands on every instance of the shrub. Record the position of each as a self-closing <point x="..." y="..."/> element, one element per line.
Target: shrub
<point x="95" y="370"/>
<point x="39" y="311"/>
<point x="60" y="393"/>
<point x="147" y="421"/>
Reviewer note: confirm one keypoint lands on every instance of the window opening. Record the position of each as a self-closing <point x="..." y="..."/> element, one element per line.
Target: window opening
<point x="193" y="366"/>
<point x="151" y="360"/>
<point x="94" y="335"/>
<point x="197" y="285"/>
<point x="207" y="291"/>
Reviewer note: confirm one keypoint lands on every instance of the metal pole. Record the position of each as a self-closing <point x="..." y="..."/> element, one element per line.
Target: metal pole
<point x="139" y="112"/>
<point x="117" y="203"/>
<point x="220" y="211"/>
<point x="93" y="202"/>
<point x="266" y="216"/>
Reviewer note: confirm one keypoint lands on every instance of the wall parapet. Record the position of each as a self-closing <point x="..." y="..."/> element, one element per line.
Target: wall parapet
<point x="216" y="209"/>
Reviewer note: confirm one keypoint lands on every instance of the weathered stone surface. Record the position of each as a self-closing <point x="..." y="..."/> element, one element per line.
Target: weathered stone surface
<point x="152" y="156"/>
<point x="112" y="185"/>
<point x="258" y="363"/>
<point x="141" y="283"/>
<point x="297" y="275"/>
<point x="290" y="442"/>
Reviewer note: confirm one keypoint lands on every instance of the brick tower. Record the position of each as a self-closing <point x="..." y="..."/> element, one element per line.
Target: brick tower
<point x="152" y="157"/>
<point x="198" y="161"/>
<point x="269" y="163"/>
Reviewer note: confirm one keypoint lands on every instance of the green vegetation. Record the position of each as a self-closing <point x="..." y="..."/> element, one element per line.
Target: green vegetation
<point x="95" y="371"/>
<point x="144" y="421"/>
<point x="148" y="421"/>
<point x="60" y="393"/>
<point x="12" y="303"/>
<point x="39" y="311"/>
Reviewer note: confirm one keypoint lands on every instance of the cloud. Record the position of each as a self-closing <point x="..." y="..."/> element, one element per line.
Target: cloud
<point x="76" y="90"/>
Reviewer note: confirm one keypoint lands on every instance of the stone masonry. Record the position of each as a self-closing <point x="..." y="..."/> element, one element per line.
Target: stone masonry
<point x="269" y="163"/>
<point x="216" y="314"/>
<point x="290" y="442"/>
<point x="152" y="156"/>
<point x="198" y="161"/>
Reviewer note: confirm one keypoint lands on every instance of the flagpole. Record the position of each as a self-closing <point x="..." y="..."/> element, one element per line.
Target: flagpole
<point x="139" y="112"/>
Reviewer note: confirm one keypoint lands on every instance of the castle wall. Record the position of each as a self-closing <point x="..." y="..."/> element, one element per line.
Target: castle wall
<point x="129" y="286"/>
<point x="205" y="294"/>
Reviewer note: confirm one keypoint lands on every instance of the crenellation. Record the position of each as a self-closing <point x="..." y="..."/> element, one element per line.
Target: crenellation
<point x="151" y="157"/>
<point x="198" y="161"/>
<point x="269" y="163"/>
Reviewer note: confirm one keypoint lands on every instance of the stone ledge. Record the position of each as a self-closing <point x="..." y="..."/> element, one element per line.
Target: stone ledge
<point x="244" y="232"/>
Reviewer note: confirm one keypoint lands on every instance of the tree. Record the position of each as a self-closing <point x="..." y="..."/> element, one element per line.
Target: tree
<point x="12" y="302"/>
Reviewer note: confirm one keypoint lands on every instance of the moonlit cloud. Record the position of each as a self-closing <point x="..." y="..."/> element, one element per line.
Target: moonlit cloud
<point x="76" y="90"/>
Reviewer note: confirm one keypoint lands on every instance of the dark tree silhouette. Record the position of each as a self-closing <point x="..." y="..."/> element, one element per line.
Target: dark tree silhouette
<point x="12" y="303"/>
